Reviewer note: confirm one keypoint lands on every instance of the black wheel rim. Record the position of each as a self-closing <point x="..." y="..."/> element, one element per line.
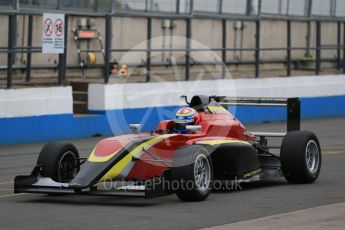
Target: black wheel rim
<point x="67" y="167"/>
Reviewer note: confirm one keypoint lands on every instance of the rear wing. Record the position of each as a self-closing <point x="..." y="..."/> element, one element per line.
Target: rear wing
<point x="293" y="106"/>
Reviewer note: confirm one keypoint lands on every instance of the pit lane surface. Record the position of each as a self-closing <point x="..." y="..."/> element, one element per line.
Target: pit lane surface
<point x="35" y="211"/>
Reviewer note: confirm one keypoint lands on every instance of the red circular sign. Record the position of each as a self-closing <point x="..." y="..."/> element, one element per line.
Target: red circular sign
<point x="48" y="27"/>
<point x="58" y="27"/>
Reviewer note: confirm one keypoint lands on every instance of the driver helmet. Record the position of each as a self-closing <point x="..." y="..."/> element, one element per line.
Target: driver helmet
<point x="185" y="116"/>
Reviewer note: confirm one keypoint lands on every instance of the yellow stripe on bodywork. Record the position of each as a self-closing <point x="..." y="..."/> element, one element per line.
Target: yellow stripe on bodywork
<point x="117" y="169"/>
<point x="218" y="109"/>
<point x="94" y="158"/>
<point x="221" y="141"/>
<point x="252" y="173"/>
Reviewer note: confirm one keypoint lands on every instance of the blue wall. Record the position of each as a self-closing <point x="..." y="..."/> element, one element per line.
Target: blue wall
<point x="59" y="127"/>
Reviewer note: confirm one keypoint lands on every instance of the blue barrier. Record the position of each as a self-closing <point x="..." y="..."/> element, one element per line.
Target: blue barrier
<point x="107" y="123"/>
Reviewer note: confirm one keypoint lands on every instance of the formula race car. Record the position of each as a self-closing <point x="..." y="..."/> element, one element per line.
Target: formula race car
<point x="203" y="147"/>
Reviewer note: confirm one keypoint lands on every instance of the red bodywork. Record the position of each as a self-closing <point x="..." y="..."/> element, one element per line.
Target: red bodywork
<point x="215" y="126"/>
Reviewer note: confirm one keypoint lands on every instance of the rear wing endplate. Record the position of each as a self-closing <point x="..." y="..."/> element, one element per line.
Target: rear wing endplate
<point x="293" y="106"/>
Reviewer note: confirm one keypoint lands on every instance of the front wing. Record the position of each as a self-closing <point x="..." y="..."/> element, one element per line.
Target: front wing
<point x="34" y="183"/>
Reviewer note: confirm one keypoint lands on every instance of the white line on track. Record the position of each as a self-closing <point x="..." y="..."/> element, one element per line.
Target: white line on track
<point x="7" y="182"/>
<point x="334" y="152"/>
<point x="9" y="195"/>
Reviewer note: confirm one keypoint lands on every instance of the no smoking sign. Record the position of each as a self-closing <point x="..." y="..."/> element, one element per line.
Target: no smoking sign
<point x="58" y="28"/>
<point x="53" y="33"/>
<point x="48" y="27"/>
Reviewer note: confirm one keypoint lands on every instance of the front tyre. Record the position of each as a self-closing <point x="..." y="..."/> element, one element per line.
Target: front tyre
<point x="193" y="173"/>
<point x="301" y="157"/>
<point x="60" y="161"/>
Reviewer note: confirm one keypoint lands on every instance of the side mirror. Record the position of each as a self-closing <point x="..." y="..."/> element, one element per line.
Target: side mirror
<point x="134" y="127"/>
<point x="193" y="128"/>
<point x="185" y="98"/>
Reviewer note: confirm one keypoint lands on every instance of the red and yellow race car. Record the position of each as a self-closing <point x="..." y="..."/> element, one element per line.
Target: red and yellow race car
<point x="203" y="147"/>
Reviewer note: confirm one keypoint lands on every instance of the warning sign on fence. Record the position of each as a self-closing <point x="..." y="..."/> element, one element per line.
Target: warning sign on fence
<point x="53" y="33"/>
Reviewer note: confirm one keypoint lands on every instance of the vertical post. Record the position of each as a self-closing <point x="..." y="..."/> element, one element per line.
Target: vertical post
<point x="10" y="54"/>
<point x="60" y="77"/>
<point x="318" y="47"/>
<point x="259" y="7"/>
<point x="63" y="56"/>
<point x="29" y="53"/>
<point x="191" y="7"/>
<point x="95" y="5"/>
<point x="188" y="47"/>
<point x="220" y="6"/>
<point x="308" y="12"/>
<point x="333" y="8"/>
<point x="288" y="56"/>
<point x="224" y="48"/>
<point x="178" y="6"/>
<point x="249" y="7"/>
<point x="344" y="48"/>
<point x="107" y="51"/>
<point x="65" y="48"/>
<point x="15" y="4"/>
<point x="146" y="5"/>
<point x="148" y="51"/>
<point x="111" y="7"/>
<point x="338" y="44"/>
<point x="257" y="48"/>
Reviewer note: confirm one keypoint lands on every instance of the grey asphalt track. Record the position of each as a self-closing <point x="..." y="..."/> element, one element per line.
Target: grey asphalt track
<point x="35" y="211"/>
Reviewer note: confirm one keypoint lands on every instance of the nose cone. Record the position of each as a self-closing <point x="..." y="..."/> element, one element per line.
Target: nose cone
<point x="107" y="147"/>
<point x="105" y="155"/>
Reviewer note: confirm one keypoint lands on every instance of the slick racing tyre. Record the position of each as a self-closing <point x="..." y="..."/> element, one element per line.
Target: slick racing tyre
<point x="193" y="173"/>
<point x="300" y="157"/>
<point x="60" y="161"/>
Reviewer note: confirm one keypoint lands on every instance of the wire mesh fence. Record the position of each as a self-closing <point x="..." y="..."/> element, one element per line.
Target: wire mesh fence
<point x="302" y="8"/>
<point x="240" y="33"/>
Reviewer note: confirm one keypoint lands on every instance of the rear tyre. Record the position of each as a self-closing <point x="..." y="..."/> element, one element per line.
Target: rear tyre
<point x="192" y="173"/>
<point x="300" y="157"/>
<point x="60" y="161"/>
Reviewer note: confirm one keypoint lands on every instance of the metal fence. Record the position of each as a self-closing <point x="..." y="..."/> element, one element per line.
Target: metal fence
<point x="309" y="11"/>
<point x="307" y="8"/>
